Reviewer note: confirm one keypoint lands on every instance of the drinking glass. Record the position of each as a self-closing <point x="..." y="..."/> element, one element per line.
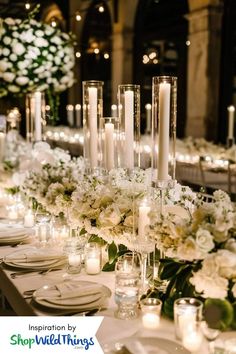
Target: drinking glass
<point x="42" y="225"/>
<point x="127" y="283"/>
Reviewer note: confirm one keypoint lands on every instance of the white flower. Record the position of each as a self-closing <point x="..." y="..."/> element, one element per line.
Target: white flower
<point x="22" y="80"/>
<point x="18" y="48"/>
<point x="23" y="64"/>
<point x="110" y="216"/>
<point x="10" y="21"/>
<point x="6" y="52"/>
<point x="6" y="40"/>
<point x="39" y="33"/>
<point x="27" y="36"/>
<point x="212" y="286"/>
<point x="13" y="57"/>
<point x="57" y="40"/>
<point x="8" y="76"/>
<point x="41" y="42"/>
<point x="189" y="250"/>
<point x="3" y="65"/>
<point x="204" y="240"/>
<point x="13" y="88"/>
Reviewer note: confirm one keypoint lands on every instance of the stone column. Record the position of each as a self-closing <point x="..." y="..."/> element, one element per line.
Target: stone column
<point x="204" y="71"/>
<point x="122" y="58"/>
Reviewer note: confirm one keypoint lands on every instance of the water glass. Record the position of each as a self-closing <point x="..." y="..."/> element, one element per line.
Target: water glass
<point x="151" y="312"/>
<point x="127" y="285"/>
<point x="187" y="315"/>
<point x="43" y="225"/>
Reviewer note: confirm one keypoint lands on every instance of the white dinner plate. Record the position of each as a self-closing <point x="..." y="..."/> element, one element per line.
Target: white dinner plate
<point x="82" y="303"/>
<point x="35" y="259"/>
<point x="147" y="345"/>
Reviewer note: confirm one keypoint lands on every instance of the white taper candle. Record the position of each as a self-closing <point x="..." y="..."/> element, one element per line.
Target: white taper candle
<point x="109" y="146"/>
<point x="164" y="126"/>
<point x="231" y="111"/>
<point x="129" y="129"/>
<point x="92" y="91"/>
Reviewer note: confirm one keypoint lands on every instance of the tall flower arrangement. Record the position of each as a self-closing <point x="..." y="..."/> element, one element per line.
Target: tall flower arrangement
<point x="34" y="56"/>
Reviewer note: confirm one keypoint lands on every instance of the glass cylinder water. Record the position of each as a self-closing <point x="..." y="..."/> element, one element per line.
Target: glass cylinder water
<point x="35" y="116"/>
<point x="129" y="126"/>
<point x="164" y="115"/>
<point x="108" y="141"/>
<point x="92" y="113"/>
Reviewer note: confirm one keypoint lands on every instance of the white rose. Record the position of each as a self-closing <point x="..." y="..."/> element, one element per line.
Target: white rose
<point x="13" y="88"/>
<point x="5" y="52"/>
<point x="18" y="48"/>
<point x="9" y="21"/>
<point x="9" y="77"/>
<point x="188" y="250"/>
<point x="3" y="65"/>
<point x="210" y="286"/>
<point x="13" y="57"/>
<point x="6" y="40"/>
<point x="204" y="240"/>
<point x="22" y="80"/>
<point x="40" y="42"/>
<point x="225" y="258"/>
<point x="110" y="216"/>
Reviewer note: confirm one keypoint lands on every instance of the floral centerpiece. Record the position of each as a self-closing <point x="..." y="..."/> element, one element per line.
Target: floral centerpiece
<point x="34" y="56"/>
<point x="201" y="257"/>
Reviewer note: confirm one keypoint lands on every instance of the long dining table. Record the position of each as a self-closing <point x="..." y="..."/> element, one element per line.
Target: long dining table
<point x="111" y="329"/>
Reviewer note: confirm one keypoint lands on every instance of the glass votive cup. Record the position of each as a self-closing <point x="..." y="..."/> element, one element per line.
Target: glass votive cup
<point x="151" y="312"/>
<point x="43" y="232"/>
<point x="29" y="219"/>
<point x="129" y="261"/>
<point x="93" y="258"/>
<point x="127" y="285"/>
<point x="187" y="314"/>
<point x="74" y="252"/>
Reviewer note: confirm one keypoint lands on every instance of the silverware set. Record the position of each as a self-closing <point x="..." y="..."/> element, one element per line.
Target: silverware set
<point x="25" y="273"/>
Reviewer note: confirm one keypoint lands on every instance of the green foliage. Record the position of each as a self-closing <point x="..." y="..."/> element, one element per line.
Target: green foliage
<point x="113" y="253"/>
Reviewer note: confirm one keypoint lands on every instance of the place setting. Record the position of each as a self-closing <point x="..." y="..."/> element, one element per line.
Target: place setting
<point x="14" y="234"/>
<point x="35" y="259"/>
<point x="71" y="296"/>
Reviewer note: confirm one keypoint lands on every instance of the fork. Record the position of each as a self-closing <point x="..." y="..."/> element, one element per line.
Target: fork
<point x="30" y="272"/>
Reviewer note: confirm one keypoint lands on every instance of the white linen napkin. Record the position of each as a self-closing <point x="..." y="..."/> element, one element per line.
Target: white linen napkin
<point x="29" y="256"/>
<point x="10" y="232"/>
<point x="71" y="293"/>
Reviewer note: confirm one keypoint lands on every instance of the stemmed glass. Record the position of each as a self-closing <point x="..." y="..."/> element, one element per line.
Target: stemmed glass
<point x="43" y="225"/>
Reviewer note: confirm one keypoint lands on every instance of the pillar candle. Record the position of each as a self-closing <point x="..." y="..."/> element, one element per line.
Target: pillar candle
<point x="148" y="108"/>
<point x="78" y="115"/>
<point x="70" y="114"/>
<point x="93" y="266"/>
<point x="231" y="111"/>
<point x="164" y="126"/>
<point x="129" y="129"/>
<point x="92" y="91"/>
<point x="37" y="116"/>
<point x="109" y="146"/>
<point x="29" y="219"/>
<point x="143" y="220"/>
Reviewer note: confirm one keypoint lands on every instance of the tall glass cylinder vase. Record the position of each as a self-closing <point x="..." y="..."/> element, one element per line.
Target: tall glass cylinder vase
<point x="108" y="141"/>
<point x="35" y="116"/>
<point x="92" y="113"/>
<point x="129" y="126"/>
<point x="164" y="103"/>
